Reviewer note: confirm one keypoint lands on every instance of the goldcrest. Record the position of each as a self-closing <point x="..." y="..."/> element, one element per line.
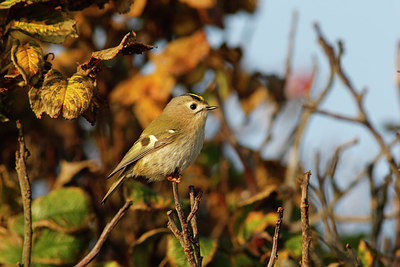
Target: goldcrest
<point x="168" y="145"/>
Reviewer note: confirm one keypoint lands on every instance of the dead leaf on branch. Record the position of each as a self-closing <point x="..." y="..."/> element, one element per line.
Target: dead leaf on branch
<point x="70" y="169"/>
<point x="28" y="60"/>
<point x="72" y="97"/>
<point x="128" y="46"/>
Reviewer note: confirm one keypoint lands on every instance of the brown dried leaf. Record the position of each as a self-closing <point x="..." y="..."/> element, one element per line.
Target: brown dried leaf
<point x="182" y="55"/>
<point x="70" y="169"/>
<point x="28" y="59"/>
<point x="199" y="3"/>
<point x="128" y="46"/>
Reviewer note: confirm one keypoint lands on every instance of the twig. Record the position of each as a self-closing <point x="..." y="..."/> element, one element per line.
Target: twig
<point x="104" y="235"/>
<point x="274" y="252"/>
<point x="185" y="236"/>
<point x="25" y="185"/>
<point x="353" y="256"/>
<point x="192" y="218"/>
<point x="305" y="224"/>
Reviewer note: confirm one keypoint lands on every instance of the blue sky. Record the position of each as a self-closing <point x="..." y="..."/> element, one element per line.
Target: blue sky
<point x="370" y="32"/>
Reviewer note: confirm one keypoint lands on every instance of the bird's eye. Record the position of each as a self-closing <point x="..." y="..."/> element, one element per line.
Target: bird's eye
<point x="193" y="106"/>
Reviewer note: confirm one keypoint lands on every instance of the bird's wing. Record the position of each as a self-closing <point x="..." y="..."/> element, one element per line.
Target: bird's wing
<point x="145" y="145"/>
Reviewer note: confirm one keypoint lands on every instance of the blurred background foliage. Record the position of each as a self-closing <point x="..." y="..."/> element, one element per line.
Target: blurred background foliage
<point x="85" y="77"/>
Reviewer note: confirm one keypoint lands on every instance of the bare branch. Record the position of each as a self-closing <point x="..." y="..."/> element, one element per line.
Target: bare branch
<point x="25" y="185"/>
<point x="305" y="224"/>
<point x="104" y="235"/>
<point x="274" y="252"/>
<point x="186" y="235"/>
<point x="192" y="218"/>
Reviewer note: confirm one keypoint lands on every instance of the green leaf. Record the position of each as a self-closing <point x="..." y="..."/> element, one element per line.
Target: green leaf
<point x="244" y="260"/>
<point x="144" y="198"/>
<point x="10" y="249"/>
<point x="256" y="221"/>
<point x="28" y="59"/>
<point x="56" y="248"/>
<point x="293" y="245"/>
<point x="46" y="25"/>
<point x="65" y="210"/>
<point x="176" y="255"/>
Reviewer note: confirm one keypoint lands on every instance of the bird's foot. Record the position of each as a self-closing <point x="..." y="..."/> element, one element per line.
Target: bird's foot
<point x="175" y="179"/>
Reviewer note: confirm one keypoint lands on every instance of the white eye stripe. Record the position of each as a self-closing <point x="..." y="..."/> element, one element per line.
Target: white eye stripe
<point x="172" y="131"/>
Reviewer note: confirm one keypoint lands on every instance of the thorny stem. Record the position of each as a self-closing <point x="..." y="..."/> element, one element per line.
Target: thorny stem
<point x="25" y="185"/>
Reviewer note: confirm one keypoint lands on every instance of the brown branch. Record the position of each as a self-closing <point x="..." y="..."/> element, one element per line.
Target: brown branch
<point x="192" y="218"/>
<point x="185" y="236"/>
<point x="353" y="256"/>
<point x="274" y="252"/>
<point x="26" y="193"/>
<point x="104" y="235"/>
<point x="305" y="224"/>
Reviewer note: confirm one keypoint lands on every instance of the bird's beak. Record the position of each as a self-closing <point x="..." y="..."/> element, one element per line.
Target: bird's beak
<point x="211" y="107"/>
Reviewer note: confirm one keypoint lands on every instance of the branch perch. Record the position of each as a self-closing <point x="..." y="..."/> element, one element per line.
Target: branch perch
<point x="104" y="235"/>
<point x="186" y="237"/>
<point x="274" y="252"/>
<point x="26" y="193"/>
<point x="305" y="223"/>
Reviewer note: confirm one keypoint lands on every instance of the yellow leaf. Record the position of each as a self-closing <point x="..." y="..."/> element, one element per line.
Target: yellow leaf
<point x="136" y="8"/>
<point x="365" y="254"/>
<point x="256" y="221"/>
<point x="53" y="92"/>
<point x="146" y="111"/>
<point x="182" y="55"/>
<point x="199" y="3"/>
<point x="77" y="96"/>
<point x="53" y="27"/>
<point x="28" y="59"/>
<point x="72" y="97"/>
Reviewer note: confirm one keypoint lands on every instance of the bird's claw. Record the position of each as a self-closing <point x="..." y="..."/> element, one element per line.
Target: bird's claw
<point x="175" y="179"/>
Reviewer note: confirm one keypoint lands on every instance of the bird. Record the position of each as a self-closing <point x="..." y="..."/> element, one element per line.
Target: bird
<point x="168" y="145"/>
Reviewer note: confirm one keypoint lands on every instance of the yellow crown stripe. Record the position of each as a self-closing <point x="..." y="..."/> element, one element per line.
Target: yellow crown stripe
<point x="197" y="97"/>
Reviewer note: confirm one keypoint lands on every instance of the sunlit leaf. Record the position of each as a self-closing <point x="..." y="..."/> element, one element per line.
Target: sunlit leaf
<point x="108" y="264"/>
<point x="78" y="96"/>
<point x="256" y="221"/>
<point x="254" y="100"/>
<point x="145" y="198"/>
<point x="199" y="3"/>
<point x="52" y="93"/>
<point x="182" y="55"/>
<point x="136" y="8"/>
<point x="65" y="210"/>
<point x="176" y="255"/>
<point x="53" y="27"/>
<point x="365" y="254"/>
<point x="28" y="59"/>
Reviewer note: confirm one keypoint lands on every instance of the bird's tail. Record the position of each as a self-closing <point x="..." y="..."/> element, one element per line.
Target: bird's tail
<point x="114" y="187"/>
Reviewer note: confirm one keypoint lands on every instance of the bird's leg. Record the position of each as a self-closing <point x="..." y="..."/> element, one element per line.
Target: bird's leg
<point x="175" y="176"/>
